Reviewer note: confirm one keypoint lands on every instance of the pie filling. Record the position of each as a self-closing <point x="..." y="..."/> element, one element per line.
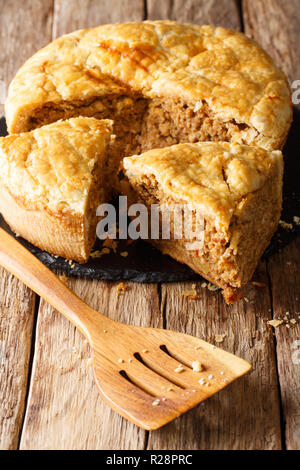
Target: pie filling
<point x="210" y="246"/>
<point x="141" y="124"/>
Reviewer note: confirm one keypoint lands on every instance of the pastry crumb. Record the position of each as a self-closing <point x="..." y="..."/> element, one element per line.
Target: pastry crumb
<point x="156" y="402"/>
<point x="110" y="243"/>
<point x="275" y="323"/>
<point x="296" y="220"/>
<point x="121" y="288"/>
<point x="197" y="366"/>
<point x="189" y="293"/>
<point x="212" y="287"/>
<point x="285" y="225"/>
<point x="220" y="338"/>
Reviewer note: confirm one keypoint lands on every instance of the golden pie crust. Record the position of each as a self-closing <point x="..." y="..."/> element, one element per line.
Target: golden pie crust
<point x="236" y="188"/>
<point x="209" y="66"/>
<point x="52" y="180"/>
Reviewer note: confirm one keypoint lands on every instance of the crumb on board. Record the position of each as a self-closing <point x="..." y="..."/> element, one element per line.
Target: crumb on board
<point x="99" y="253"/>
<point x="285" y="225"/>
<point x="124" y="254"/>
<point x="156" y="402"/>
<point x="286" y="320"/>
<point x="275" y="323"/>
<point x="179" y="369"/>
<point x="296" y="220"/>
<point x="189" y="293"/>
<point x="71" y="263"/>
<point x="121" y="288"/>
<point x="110" y="243"/>
<point x="212" y="287"/>
<point x="220" y="338"/>
<point x="197" y="366"/>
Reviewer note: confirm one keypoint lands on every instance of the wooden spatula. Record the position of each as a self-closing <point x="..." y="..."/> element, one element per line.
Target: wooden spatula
<point x="149" y="376"/>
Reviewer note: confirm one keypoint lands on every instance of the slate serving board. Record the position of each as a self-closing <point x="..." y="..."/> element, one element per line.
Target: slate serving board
<point x="146" y="264"/>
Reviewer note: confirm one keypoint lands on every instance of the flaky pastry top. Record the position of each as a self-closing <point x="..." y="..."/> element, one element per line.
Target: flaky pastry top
<point x="222" y="67"/>
<point x="212" y="176"/>
<point x="51" y="168"/>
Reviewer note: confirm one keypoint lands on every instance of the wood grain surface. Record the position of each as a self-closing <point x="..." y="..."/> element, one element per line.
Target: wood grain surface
<point x="22" y="32"/>
<point x="274" y="24"/>
<point x="63" y="408"/>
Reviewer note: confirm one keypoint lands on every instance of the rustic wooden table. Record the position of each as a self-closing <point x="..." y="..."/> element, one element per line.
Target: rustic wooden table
<point x="47" y="394"/>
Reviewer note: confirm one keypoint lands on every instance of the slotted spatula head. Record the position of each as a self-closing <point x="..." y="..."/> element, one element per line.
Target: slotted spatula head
<point x="145" y="374"/>
<point x="151" y="376"/>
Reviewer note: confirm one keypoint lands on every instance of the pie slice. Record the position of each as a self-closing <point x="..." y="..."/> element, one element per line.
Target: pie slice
<point x="52" y="180"/>
<point x="236" y="190"/>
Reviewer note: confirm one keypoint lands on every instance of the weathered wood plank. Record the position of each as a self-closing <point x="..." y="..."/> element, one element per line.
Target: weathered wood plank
<point x="24" y="28"/>
<point x="247" y="414"/>
<point x="64" y="409"/>
<point x="274" y="24"/>
<point x="242" y="416"/>
<point x="76" y="14"/>
<point x="16" y="325"/>
<point x="284" y="274"/>
<point x="220" y="13"/>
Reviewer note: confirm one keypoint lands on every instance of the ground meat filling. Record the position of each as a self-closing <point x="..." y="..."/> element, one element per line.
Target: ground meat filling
<point x="142" y="124"/>
<point x="168" y="122"/>
<point x="207" y="255"/>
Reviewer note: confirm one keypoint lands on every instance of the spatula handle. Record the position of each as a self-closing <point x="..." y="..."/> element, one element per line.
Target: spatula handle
<point x="26" y="267"/>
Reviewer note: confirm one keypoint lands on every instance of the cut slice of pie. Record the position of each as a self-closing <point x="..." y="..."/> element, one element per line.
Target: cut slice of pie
<point x="52" y="180"/>
<point x="235" y="189"/>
